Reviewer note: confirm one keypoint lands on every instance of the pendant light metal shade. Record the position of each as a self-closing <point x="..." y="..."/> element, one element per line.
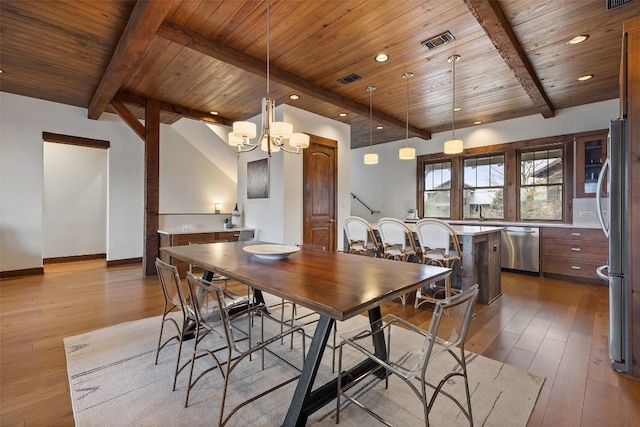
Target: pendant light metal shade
<point x="453" y="146"/>
<point x="406" y="152"/>
<point x="370" y="158"/>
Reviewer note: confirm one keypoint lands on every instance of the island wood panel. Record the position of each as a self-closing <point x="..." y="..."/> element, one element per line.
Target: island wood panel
<point x="481" y="264"/>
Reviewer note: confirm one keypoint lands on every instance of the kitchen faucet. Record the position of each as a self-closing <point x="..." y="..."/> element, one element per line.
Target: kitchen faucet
<point x="480" y="214"/>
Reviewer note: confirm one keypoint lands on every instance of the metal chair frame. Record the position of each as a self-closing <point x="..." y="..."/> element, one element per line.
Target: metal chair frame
<point x="212" y="306"/>
<point x="433" y="345"/>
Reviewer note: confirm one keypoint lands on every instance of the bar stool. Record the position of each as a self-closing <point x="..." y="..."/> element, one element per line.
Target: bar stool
<point x="397" y="242"/>
<point x="361" y="237"/>
<point x="440" y="246"/>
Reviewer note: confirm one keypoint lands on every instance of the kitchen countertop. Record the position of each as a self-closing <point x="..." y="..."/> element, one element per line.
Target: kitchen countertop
<point x="520" y="224"/>
<point x="204" y="230"/>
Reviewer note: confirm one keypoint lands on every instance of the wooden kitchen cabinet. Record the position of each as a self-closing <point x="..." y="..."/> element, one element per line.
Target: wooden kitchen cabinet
<point x="180" y="239"/>
<point x="591" y="152"/>
<point x="574" y="253"/>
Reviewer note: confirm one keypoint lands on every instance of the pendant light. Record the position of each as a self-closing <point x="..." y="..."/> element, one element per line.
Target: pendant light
<point x="407" y="153"/>
<point x="274" y="134"/>
<point x="453" y="146"/>
<point x="370" y="158"/>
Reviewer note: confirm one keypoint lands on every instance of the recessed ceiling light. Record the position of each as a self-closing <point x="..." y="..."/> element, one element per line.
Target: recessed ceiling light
<point x="578" y="39"/>
<point x="294" y="96"/>
<point x="477" y="122"/>
<point x="457" y="109"/>
<point x="379" y="127"/>
<point x="1" y="71"/>
<point x="585" y="77"/>
<point x="343" y="114"/>
<point x="382" y="57"/>
<point x="213" y="113"/>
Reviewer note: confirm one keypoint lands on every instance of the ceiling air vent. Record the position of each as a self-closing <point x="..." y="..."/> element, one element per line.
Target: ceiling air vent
<point x="615" y="3"/>
<point x="349" y="78"/>
<point x="440" y="39"/>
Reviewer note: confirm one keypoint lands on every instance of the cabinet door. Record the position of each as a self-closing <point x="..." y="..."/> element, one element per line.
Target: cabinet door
<point x="591" y="152"/>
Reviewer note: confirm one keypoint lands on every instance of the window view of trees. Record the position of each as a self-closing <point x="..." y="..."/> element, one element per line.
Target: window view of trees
<point x="541" y="183"/>
<point x="483" y="187"/>
<point x="437" y="190"/>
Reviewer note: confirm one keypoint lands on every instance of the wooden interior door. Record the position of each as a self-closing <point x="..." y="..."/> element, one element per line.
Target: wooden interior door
<point x="320" y="177"/>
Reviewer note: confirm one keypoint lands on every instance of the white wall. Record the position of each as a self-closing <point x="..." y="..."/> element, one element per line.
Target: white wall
<point x="74" y="214"/>
<point x="279" y="218"/>
<point x="21" y="178"/>
<point x="22" y="121"/>
<point x="189" y="182"/>
<point x="390" y="186"/>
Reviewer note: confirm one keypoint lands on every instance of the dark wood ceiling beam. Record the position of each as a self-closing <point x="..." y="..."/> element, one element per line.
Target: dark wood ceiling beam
<point x="145" y="19"/>
<point x="129" y="118"/>
<point x="178" y="34"/>
<point x="492" y="20"/>
<point x="174" y="109"/>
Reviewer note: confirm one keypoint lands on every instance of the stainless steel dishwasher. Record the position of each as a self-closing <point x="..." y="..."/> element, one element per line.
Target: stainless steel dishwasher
<point x="521" y="249"/>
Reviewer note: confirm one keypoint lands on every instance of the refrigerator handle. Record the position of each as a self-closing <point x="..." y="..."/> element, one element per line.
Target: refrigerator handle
<point x="599" y="272"/>
<point x="599" y="189"/>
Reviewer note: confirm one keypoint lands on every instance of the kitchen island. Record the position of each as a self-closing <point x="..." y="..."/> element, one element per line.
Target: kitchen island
<point x="481" y="251"/>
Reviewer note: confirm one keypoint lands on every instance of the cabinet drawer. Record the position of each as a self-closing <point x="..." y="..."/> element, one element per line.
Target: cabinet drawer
<point x="229" y="236"/>
<point x="185" y="239"/>
<point x="589" y="234"/>
<point x="595" y="251"/>
<point x="574" y="268"/>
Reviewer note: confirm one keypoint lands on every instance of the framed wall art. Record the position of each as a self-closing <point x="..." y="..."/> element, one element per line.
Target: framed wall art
<point x="258" y="179"/>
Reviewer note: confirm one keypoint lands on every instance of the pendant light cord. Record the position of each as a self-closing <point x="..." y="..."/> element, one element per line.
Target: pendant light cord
<point x="268" y="46"/>
<point x="453" y="107"/>
<point x="370" y="89"/>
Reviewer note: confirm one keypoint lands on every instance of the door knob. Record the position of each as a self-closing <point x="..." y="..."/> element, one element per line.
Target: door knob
<point x="332" y="220"/>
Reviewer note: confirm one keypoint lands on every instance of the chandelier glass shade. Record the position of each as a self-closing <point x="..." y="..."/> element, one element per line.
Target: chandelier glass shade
<point x="453" y="146"/>
<point x="274" y="135"/>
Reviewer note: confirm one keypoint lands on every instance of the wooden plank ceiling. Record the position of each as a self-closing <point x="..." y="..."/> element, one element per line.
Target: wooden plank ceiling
<point x="197" y="56"/>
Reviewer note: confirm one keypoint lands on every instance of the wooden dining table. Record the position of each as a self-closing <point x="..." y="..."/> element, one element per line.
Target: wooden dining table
<point x="337" y="286"/>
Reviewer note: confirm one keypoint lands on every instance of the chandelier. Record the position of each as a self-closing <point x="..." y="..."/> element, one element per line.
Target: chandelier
<point x="274" y="135"/>
<point x="453" y="146"/>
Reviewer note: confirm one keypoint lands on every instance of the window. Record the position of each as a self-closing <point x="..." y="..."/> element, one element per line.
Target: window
<point x="483" y="192"/>
<point x="437" y="190"/>
<point x="541" y="183"/>
<point x="518" y="181"/>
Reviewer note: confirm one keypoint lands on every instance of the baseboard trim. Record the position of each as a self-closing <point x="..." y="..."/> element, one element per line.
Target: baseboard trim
<point x="116" y="262"/>
<point x="73" y="258"/>
<point x="20" y="273"/>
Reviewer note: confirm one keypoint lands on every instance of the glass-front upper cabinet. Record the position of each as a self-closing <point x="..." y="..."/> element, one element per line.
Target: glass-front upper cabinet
<point x="591" y="152"/>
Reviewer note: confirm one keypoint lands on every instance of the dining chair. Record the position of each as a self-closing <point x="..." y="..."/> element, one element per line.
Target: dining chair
<point x="175" y="299"/>
<point x="361" y="237"/>
<point x="397" y="242"/>
<point x="213" y="308"/>
<point x="245" y="236"/>
<point x="445" y="336"/>
<point x="439" y="246"/>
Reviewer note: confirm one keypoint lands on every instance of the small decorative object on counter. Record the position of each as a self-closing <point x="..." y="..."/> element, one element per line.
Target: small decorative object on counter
<point x="411" y="214"/>
<point x="236" y="218"/>
<point x="227" y="224"/>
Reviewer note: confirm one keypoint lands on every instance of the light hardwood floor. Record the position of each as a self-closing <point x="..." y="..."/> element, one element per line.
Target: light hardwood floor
<point x="552" y="328"/>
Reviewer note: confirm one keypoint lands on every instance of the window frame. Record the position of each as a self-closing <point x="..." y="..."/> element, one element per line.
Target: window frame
<point x="511" y="152"/>
<point x="503" y="186"/>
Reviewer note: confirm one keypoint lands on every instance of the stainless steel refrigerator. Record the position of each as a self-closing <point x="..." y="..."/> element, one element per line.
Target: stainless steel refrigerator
<point x="613" y="211"/>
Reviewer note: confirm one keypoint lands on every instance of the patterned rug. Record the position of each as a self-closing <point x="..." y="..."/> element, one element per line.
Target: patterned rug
<point x="114" y="382"/>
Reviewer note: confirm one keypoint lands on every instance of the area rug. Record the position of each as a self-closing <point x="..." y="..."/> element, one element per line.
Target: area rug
<point x="114" y="382"/>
